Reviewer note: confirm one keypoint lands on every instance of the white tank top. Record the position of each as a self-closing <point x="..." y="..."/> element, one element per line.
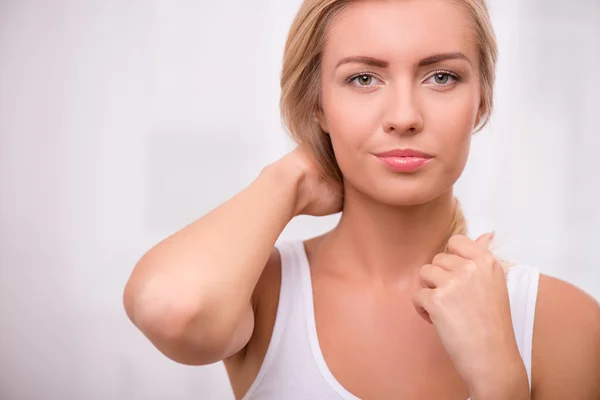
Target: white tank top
<point x="294" y="367"/>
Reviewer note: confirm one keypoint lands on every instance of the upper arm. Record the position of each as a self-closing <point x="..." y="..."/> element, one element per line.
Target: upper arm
<point x="243" y="366"/>
<point x="566" y="343"/>
<point x="246" y="328"/>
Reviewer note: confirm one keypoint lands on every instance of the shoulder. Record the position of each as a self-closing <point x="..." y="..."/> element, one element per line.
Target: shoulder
<point x="566" y="342"/>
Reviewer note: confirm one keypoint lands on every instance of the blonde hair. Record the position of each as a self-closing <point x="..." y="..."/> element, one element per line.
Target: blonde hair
<point x="301" y="81"/>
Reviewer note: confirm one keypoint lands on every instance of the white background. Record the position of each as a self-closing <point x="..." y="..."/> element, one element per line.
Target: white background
<point x="114" y="119"/>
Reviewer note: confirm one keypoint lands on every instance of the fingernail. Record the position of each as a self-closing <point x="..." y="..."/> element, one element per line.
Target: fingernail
<point x="492" y="236"/>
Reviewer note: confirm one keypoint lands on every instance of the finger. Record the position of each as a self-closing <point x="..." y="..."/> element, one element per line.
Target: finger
<point x="466" y="248"/>
<point x="486" y="239"/>
<point x="447" y="261"/>
<point x="433" y="276"/>
<point x="421" y="301"/>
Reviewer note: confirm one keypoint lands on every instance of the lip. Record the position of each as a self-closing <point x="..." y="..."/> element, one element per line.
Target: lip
<point x="404" y="160"/>
<point x="404" y="153"/>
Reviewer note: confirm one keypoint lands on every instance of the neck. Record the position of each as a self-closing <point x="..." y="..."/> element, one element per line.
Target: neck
<point x="383" y="242"/>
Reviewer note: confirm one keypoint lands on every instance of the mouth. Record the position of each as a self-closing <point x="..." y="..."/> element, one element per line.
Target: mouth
<point x="401" y="153"/>
<point x="404" y="160"/>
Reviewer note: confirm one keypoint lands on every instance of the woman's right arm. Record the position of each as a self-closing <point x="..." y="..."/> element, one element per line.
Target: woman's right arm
<point x="190" y="295"/>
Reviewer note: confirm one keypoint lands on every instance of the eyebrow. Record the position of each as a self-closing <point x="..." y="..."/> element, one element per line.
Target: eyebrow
<point x="384" y="64"/>
<point x="363" y="60"/>
<point x="442" y="57"/>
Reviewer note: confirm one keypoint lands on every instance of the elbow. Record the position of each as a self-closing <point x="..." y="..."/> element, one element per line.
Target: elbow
<point x="184" y="330"/>
<point x="156" y="303"/>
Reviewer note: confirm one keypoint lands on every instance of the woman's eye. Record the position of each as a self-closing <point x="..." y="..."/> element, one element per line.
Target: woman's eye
<point x="443" y="78"/>
<point x="363" y="80"/>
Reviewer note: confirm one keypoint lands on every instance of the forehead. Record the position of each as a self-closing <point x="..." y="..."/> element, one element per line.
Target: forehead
<point x="401" y="30"/>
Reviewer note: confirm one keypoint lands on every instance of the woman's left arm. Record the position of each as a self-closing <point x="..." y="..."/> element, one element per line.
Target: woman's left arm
<point x="566" y="343"/>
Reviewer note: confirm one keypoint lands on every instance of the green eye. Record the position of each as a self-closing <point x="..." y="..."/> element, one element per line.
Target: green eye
<point x="441" y="78"/>
<point x="365" y="80"/>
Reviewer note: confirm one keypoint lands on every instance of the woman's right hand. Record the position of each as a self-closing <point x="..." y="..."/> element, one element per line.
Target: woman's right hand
<point x="316" y="194"/>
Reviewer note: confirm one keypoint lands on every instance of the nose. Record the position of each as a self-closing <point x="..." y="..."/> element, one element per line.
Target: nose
<point x="403" y="114"/>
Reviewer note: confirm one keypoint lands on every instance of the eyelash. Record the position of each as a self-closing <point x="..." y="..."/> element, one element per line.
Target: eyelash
<point x="445" y="72"/>
<point x="353" y="77"/>
<point x="438" y="72"/>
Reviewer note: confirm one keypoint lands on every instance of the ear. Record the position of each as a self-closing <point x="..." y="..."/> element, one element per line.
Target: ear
<point x="320" y="118"/>
<point x="480" y="114"/>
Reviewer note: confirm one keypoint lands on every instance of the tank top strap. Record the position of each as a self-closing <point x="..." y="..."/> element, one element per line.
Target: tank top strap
<point x="283" y="314"/>
<point x="522" y="282"/>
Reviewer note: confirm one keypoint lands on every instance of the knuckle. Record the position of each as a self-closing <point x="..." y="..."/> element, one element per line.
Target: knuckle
<point x="438" y="297"/>
<point x="439" y="258"/>
<point x="470" y="267"/>
<point x="454" y="240"/>
<point x="453" y="281"/>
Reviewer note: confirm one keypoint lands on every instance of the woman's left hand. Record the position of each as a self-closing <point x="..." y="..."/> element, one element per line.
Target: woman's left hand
<point x="464" y="295"/>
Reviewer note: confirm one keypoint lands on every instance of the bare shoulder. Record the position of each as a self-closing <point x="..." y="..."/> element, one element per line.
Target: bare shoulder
<point x="566" y="342"/>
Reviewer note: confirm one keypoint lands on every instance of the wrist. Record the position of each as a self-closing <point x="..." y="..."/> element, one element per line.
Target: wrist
<point x="285" y="178"/>
<point x="502" y="383"/>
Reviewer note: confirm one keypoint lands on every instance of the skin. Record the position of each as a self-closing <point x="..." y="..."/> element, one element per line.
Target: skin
<point x="400" y="105"/>
<point x="436" y="313"/>
<point x="371" y="274"/>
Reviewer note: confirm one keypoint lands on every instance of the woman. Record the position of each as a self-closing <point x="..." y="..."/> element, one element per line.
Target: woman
<point x="395" y="302"/>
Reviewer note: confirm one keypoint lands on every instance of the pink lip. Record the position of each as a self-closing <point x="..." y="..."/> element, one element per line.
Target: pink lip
<point x="404" y="160"/>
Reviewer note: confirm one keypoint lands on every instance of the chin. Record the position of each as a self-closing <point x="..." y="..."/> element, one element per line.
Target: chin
<point x="403" y="191"/>
<point x="405" y="198"/>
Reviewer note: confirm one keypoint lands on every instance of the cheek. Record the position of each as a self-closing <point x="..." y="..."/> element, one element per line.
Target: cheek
<point x="351" y="118"/>
<point x="451" y="118"/>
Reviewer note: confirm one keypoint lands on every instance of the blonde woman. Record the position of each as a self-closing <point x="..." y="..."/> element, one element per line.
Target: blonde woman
<point x="395" y="302"/>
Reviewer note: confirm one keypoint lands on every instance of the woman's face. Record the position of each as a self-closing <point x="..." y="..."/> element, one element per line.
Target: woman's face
<point x="400" y="78"/>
